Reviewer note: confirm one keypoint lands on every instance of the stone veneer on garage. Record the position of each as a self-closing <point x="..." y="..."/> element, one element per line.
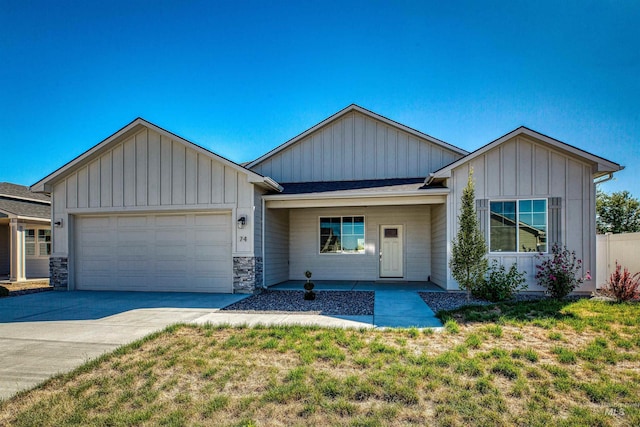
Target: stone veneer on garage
<point x="247" y="275"/>
<point x="59" y="273"/>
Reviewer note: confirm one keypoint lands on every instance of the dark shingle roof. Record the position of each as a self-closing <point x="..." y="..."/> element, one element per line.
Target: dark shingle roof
<point x="20" y="201"/>
<point x="24" y="208"/>
<point x="391" y="185"/>
<point x="22" y="192"/>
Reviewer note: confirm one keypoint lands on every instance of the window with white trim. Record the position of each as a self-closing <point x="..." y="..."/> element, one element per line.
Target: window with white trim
<point x="518" y="225"/>
<point x="342" y="234"/>
<point x="37" y="242"/>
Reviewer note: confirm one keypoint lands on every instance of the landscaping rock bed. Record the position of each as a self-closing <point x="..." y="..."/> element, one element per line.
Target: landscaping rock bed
<point x="453" y="300"/>
<point x="346" y="303"/>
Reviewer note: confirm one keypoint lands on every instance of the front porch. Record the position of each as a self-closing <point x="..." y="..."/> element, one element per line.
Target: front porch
<point x="25" y="246"/>
<point x="357" y="234"/>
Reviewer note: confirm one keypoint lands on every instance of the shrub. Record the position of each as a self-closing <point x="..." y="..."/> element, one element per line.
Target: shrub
<point x="500" y="284"/>
<point x="559" y="274"/>
<point x="622" y="285"/>
<point x="4" y="292"/>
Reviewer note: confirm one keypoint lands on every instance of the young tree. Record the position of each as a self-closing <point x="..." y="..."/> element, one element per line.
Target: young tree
<point x="617" y="213"/>
<point x="469" y="250"/>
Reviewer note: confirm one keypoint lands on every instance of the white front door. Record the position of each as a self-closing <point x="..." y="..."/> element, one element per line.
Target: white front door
<point x="391" y="251"/>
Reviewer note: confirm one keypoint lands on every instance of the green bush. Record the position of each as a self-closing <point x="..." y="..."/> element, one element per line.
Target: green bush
<point x="500" y="284"/>
<point x="4" y="292"/>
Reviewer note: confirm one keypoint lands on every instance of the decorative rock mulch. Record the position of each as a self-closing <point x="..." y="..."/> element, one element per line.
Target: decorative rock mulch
<point x="453" y="300"/>
<point x="346" y="303"/>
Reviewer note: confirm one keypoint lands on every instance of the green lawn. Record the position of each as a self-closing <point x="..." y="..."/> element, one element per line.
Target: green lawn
<point x="542" y="363"/>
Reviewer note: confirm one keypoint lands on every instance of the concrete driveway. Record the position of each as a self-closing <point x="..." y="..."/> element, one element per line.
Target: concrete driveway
<point x="51" y="332"/>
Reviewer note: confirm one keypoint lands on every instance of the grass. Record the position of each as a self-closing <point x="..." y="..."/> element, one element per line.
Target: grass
<point x="542" y="363"/>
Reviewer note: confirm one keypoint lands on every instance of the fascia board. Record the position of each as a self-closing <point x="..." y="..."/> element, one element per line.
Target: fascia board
<point x="608" y="165"/>
<point x="26" y="199"/>
<point x="31" y="218"/>
<point x="356" y="201"/>
<point x="44" y="185"/>
<point x="7" y="213"/>
<point x="347" y="195"/>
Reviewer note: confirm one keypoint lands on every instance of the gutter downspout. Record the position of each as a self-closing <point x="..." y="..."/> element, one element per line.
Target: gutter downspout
<point x="608" y="178"/>
<point x="428" y="180"/>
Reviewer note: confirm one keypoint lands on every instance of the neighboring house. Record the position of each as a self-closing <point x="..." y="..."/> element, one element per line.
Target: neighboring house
<point x="356" y="197"/>
<point x="25" y="233"/>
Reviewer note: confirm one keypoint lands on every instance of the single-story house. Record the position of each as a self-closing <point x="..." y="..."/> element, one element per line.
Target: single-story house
<point x="356" y="197"/>
<point x="25" y="233"/>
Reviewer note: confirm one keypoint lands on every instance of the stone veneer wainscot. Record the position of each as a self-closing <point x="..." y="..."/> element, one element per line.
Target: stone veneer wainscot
<point x="59" y="273"/>
<point x="247" y="275"/>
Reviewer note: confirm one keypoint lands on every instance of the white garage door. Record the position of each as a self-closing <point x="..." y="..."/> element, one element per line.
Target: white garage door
<point x="170" y="253"/>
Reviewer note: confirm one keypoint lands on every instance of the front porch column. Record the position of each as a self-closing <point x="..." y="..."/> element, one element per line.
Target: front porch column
<point x="17" y="254"/>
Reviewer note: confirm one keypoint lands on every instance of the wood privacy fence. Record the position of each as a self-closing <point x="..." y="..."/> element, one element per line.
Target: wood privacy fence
<point x="624" y="248"/>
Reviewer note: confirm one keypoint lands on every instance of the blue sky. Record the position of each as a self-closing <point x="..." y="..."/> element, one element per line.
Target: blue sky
<point x="241" y="77"/>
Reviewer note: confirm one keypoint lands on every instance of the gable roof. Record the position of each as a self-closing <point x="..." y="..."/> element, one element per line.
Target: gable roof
<point x="602" y="165"/>
<point x="44" y="185"/>
<point x="364" y="111"/>
<point x="17" y="201"/>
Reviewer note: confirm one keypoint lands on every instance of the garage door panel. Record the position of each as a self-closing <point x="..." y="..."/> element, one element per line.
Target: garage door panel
<point x="95" y="266"/>
<point x="96" y="250"/>
<point x="171" y="220"/>
<point x="132" y="221"/>
<point x="90" y="223"/>
<point x="172" y="267"/>
<point x="211" y="252"/>
<point x="190" y="253"/>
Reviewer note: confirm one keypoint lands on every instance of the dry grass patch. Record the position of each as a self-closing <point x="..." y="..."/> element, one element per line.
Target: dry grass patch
<point x="504" y="371"/>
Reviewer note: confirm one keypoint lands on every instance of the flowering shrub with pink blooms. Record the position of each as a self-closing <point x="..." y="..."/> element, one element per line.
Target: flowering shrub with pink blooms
<point x="561" y="273"/>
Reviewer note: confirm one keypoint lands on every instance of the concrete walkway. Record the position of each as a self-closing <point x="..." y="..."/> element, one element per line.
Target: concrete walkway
<point x="402" y="309"/>
<point x="396" y="305"/>
<point x="48" y="333"/>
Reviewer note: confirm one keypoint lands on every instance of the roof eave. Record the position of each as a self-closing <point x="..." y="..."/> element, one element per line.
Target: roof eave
<point x="601" y="164"/>
<point x="360" y="194"/>
<point x="45" y="184"/>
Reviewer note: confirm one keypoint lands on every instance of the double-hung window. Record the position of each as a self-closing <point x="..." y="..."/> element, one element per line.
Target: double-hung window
<point x="342" y="234"/>
<point x="37" y="242"/>
<point x="518" y="226"/>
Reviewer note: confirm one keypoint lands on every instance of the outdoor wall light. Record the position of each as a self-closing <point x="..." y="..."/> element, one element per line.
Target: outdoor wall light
<point x="242" y="221"/>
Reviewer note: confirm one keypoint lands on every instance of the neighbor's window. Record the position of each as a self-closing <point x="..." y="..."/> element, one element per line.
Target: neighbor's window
<point x="44" y="242"/>
<point x="518" y="226"/>
<point x="37" y="242"/>
<point x="342" y="234"/>
<point x="30" y="242"/>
